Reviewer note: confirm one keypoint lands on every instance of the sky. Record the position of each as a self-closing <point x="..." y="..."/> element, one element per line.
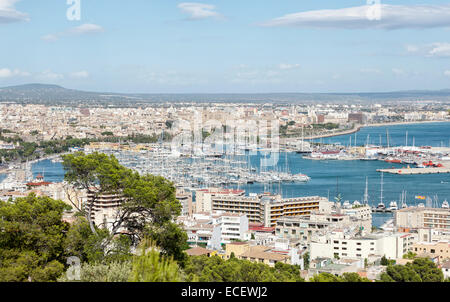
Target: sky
<point x="226" y="46"/>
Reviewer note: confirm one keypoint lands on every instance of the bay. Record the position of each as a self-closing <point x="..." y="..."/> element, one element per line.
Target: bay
<point x="345" y="177"/>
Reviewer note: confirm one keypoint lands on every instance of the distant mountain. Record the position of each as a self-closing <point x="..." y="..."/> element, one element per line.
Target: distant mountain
<point x="54" y="94"/>
<point x="45" y="93"/>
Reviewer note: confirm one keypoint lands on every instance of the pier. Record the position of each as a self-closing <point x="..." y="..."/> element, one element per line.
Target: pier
<point x="416" y="171"/>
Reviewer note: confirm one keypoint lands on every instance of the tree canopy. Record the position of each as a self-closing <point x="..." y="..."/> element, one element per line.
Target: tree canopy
<point x="420" y="270"/>
<point x="216" y="269"/>
<point x="148" y="207"/>
<point x="32" y="239"/>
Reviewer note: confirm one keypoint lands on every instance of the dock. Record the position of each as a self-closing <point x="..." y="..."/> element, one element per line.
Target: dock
<point x="416" y="171"/>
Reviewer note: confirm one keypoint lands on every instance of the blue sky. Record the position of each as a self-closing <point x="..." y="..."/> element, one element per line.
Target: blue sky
<point x="164" y="46"/>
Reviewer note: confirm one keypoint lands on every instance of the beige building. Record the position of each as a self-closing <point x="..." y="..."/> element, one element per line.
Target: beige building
<point x="185" y="198"/>
<point x="305" y="228"/>
<point x="434" y="249"/>
<point x="256" y="253"/>
<point x="203" y="197"/>
<point x="267" y="209"/>
<point x="415" y="218"/>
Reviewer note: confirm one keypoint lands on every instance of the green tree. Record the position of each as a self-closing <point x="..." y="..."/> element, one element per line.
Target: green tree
<point x="427" y="270"/>
<point x="148" y="205"/>
<point x="32" y="239"/>
<point x="215" y="269"/>
<point x="117" y="271"/>
<point x="409" y="255"/>
<point x="151" y="266"/>
<point x="325" y="277"/>
<point x="420" y="270"/>
<point x="353" y="277"/>
<point x="306" y="260"/>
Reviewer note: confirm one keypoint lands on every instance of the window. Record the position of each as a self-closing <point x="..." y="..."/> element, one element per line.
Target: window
<point x="336" y="242"/>
<point x="358" y="249"/>
<point x="358" y="243"/>
<point x="358" y="255"/>
<point x="432" y="251"/>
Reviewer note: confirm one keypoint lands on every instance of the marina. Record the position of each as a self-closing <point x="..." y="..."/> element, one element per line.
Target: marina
<point x="292" y="175"/>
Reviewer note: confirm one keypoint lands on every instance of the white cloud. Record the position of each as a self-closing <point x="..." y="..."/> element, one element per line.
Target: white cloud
<point x="80" y="74"/>
<point x="391" y="17"/>
<point x="412" y="48"/>
<point x="87" y="29"/>
<point x="50" y="38"/>
<point x="48" y="75"/>
<point x="198" y="11"/>
<point x="439" y="50"/>
<point x="370" y="70"/>
<point x="79" y="30"/>
<point x="8" y="73"/>
<point x="8" y="13"/>
<point x="284" y="66"/>
<point x="447" y="73"/>
<point x="398" y="71"/>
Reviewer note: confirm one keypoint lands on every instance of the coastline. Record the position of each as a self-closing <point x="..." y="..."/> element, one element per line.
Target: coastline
<point x="359" y="127"/>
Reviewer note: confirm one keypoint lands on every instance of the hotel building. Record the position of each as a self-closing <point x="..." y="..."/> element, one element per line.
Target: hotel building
<point x="267" y="209"/>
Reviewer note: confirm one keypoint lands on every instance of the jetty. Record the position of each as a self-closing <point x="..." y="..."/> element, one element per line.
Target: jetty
<point x="415" y="171"/>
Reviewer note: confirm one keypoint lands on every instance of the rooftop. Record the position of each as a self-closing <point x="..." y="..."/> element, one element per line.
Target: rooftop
<point x="198" y="251"/>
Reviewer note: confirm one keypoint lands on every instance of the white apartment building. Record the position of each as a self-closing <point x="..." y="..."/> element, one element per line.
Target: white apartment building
<point x="215" y="229"/>
<point x="337" y="244"/>
<point x="228" y="227"/>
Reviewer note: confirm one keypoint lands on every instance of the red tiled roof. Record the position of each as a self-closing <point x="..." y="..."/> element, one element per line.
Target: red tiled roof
<point x="38" y="184"/>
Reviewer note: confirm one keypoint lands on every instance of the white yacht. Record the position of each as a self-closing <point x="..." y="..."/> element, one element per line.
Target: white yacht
<point x="393" y="206"/>
<point x="346" y="205"/>
<point x="421" y="205"/>
<point x="380" y="207"/>
<point x="445" y="205"/>
<point x="301" y="178"/>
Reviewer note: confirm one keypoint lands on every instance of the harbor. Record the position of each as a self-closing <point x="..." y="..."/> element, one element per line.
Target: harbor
<point x="328" y="177"/>
<point x="416" y="171"/>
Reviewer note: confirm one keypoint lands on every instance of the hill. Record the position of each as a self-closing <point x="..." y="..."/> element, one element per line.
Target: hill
<point x="54" y="94"/>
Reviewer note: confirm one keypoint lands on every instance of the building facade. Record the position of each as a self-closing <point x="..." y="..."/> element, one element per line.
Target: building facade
<point x="267" y="209"/>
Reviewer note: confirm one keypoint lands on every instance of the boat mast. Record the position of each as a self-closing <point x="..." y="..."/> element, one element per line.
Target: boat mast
<point x="387" y="138"/>
<point x="366" y="192"/>
<point x="381" y="196"/>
